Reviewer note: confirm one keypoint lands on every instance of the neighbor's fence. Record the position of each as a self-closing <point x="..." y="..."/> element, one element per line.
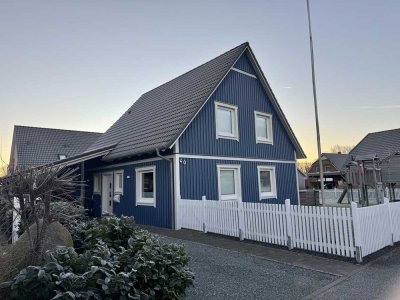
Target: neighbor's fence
<point x="333" y="195"/>
<point x="321" y="229"/>
<point x="349" y="232"/>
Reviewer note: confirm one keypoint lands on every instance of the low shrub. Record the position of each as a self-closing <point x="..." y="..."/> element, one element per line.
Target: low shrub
<point x="114" y="232"/>
<point x="121" y="262"/>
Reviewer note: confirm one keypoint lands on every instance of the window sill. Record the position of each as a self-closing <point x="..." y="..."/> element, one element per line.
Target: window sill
<point x="146" y="203"/>
<point x="263" y="197"/>
<point x="229" y="199"/>
<point x="264" y="142"/>
<point x="227" y="137"/>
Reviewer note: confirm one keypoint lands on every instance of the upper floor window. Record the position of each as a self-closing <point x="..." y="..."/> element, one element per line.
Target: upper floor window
<point x="119" y="182"/>
<point x="226" y="121"/>
<point x="263" y="124"/>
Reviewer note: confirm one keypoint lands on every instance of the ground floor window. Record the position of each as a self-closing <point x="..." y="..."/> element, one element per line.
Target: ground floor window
<point x="146" y="186"/>
<point x="266" y="182"/>
<point x="96" y="184"/>
<point x="119" y="182"/>
<point x="229" y="182"/>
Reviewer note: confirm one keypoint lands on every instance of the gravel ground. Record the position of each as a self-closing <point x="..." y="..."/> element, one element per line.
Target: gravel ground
<point x="224" y="274"/>
<point x="378" y="280"/>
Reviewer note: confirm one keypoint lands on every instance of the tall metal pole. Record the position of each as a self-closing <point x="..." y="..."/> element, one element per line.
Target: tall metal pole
<point x="321" y="171"/>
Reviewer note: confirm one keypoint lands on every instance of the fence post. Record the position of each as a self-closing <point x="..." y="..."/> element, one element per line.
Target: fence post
<point x="288" y="224"/>
<point x="386" y="202"/>
<point x="335" y="193"/>
<point x="16" y="218"/>
<point x="178" y="213"/>
<point x="240" y="219"/>
<point x="357" y="232"/>
<point x="203" y="200"/>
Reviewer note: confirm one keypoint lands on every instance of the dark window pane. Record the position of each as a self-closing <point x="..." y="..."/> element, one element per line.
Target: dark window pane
<point x="148" y="185"/>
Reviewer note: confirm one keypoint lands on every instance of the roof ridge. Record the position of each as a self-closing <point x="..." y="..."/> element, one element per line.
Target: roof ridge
<point x="59" y="129"/>
<point x="394" y="129"/>
<point x="191" y="70"/>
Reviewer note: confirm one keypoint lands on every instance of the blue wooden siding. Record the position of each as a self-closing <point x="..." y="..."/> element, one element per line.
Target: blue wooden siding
<point x="161" y="215"/>
<point x="200" y="177"/>
<point x="248" y="94"/>
<point x="244" y="64"/>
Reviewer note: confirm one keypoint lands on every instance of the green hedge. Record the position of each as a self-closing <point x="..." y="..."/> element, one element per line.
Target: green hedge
<point x="121" y="261"/>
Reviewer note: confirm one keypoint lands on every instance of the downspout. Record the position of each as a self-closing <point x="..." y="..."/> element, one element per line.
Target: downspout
<point x="172" y="184"/>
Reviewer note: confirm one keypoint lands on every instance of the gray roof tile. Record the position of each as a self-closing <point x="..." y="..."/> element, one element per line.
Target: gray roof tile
<point x="382" y="144"/>
<point x="38" y="146"/>
<point x="159" y="116"/>
<point x="337" y="159"/>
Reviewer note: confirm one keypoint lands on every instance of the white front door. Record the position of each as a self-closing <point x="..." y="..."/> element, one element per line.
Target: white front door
<point x="107" y="193"/>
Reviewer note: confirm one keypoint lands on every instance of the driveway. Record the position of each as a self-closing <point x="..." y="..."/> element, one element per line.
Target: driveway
<point x="379" y="279"/>
<point x="230" y="269"/>
<point x="225" y="274"/>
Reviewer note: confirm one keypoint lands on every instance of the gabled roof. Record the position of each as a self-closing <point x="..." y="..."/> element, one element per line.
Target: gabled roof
<point x="381" y="144"/>
<point x="36" y="146"/>
<point x="158" y="118"/>
<point x="337" y="159"/>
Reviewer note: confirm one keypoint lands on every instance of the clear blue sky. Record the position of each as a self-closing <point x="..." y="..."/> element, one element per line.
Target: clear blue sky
<point x="81" y="64"/>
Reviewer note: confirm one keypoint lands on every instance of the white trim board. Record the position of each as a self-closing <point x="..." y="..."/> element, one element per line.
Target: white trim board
<point x="195" y="157"/>
<point x="130" y="163"/>
<point x="244" y="73"/>
<point x="237" y="159"/>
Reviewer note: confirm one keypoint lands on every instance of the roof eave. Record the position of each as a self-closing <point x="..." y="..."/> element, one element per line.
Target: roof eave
<point x="82" y="157"/>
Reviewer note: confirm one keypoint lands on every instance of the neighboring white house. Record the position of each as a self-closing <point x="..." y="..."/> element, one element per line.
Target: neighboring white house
<point x="301" y="180"/>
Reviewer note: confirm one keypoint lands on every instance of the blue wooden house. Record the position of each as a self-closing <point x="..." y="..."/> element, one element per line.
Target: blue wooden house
<point x="215" y="131"/>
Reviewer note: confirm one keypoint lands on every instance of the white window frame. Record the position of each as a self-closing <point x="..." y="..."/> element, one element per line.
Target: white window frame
<point x="234" y="120"/>
<point x="139" y="199"/>
<point x="262" y="140"/>
<point x="238" y="186"/>
<point x="273" y="193"/>
<point x="97" y="183"/>
<point x="118" y="190"/>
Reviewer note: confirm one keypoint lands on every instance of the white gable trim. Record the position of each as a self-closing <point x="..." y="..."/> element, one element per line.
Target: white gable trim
<point x="243" y="72"/>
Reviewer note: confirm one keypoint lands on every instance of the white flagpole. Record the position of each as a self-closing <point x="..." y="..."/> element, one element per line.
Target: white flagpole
<point x="321" y="174"/>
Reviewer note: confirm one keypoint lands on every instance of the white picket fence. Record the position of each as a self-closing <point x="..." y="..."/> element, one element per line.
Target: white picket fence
<point x="321" y="229"/>
<point x="355" y="232"/>
<point x="376" y="227"/>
